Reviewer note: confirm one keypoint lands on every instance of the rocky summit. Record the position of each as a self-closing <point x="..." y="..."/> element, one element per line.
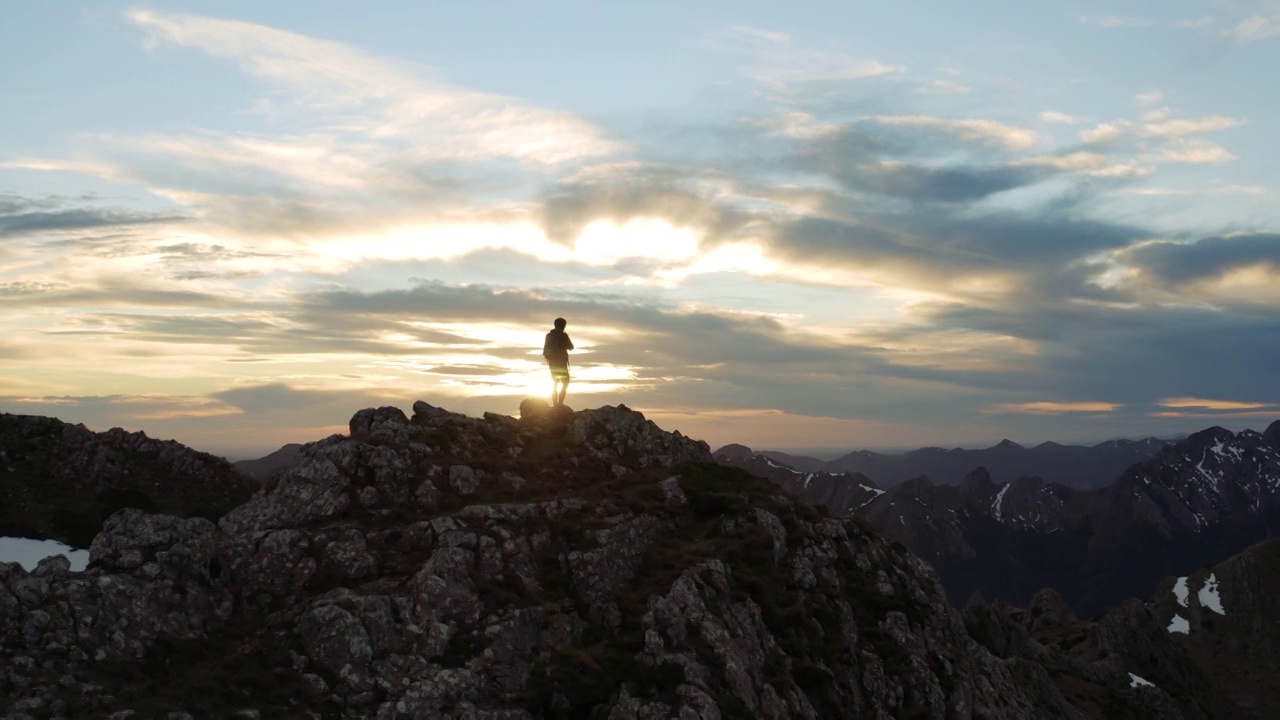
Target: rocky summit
<point x="563" y="564"/>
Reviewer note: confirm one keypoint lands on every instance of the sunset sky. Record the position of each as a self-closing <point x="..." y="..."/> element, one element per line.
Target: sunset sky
<point x="790" y="225"/>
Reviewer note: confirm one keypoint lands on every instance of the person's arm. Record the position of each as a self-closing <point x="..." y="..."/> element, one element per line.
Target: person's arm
<point x="546" y="347"/>
<point x="568" y="344"/>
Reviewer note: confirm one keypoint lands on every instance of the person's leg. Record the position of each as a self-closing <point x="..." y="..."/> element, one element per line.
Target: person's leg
<point x="564" y="388"/>
<point x="559" y="384"/>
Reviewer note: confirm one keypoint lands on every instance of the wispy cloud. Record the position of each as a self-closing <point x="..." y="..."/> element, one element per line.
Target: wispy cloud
<point x="1115" y="21"/>
<point x="397" y="102"/>
<point x="1255" y="28"/>
<point x="943" y="87"/>
<point x="1053" y="116"/>
<point x="978" y="130"/>
<point x="1045" y="407"/>
<point x="1196" y="151"/>
<point x="1189" y="402"/>
<point x="1149" y="98"/>
<point x="777" y="61"/>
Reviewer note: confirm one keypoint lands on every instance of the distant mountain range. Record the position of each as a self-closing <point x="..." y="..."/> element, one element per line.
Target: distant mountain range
<point x="1075" y="466"/>
<point x="1192" y="503"/>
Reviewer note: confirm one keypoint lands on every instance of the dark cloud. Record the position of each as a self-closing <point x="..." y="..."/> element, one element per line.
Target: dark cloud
<point x="20" y="215"/>
<point x="626" y="193"/>
<point x="930" y="184"/>
<point x="1181" y="263"/>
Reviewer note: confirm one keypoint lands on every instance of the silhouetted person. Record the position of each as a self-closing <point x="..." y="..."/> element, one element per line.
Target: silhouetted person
<point x="556" y="350"/>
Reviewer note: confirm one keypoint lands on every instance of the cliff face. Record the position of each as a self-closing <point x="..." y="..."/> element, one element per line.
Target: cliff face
<point x="561" y="565"/>
<point x="60" y="481"/>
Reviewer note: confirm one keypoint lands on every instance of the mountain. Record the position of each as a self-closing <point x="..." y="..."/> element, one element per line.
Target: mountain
<point x="1193" y="503"/>
<point x="840" y="491"/>
<point x="1226" y="617"/>
<point x="1209" y="638"/>
<point x="566" y="564"/>
<point x="1075" y="466"/>
<point x="268" y="466"/>
<point x="60" y="481"/>
<point x="1086" y="659"/>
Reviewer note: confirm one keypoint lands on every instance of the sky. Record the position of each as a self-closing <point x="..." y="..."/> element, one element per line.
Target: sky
<point x="28" y="553"/>
<point x="788" y="225"/>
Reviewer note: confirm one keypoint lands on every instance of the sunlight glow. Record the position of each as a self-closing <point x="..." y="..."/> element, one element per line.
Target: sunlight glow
<point x="604" y="242"/>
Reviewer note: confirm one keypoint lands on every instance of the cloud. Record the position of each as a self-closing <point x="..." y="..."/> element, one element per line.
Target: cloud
<point x="1149" y="98"/>
<point x="1115" y="21"/>
<point x="1254" y="28"/>
<point x="1199" y="191"/>
<point x="1045" y="407"/>
<point x="1088" y="163"/>
<point x="1101" y="133"/>
<point x="1203" y="21"/>
<point x="1178" y="264"/>
<point x="324" y="75"/>
<point x="778" y="62"/>
<point x="1053" y="116"/>
<point x="1187" y="402"/>
<point x="1178" y="129"/>
<point x="368" y="141"/>
<point x="1194" y="151"/>
<point x="988" y="132"/>
<point x="21" y="215"/>
<point x="943" y="87"/>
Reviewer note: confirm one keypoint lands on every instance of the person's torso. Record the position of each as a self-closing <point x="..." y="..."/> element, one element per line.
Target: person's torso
<point x="557" y="346"/>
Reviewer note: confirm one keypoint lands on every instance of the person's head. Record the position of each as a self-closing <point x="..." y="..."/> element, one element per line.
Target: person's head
<point x="560" y="323"/>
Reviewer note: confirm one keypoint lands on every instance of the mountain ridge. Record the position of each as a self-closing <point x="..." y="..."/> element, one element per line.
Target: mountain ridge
<point x="1077" y="466"/>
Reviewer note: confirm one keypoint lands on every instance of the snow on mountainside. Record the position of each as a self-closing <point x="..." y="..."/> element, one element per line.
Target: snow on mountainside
<point x="836" y="491"/>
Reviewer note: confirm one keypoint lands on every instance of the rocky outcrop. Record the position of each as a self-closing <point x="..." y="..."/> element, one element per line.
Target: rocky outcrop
<point x="565" y="564"/>
<point x="61" y="481"/>
<point x="1228" y="618"/>
<point x="1122" y="664"/>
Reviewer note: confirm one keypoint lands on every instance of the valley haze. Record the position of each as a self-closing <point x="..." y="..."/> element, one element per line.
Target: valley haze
<point x="812" y="224"/>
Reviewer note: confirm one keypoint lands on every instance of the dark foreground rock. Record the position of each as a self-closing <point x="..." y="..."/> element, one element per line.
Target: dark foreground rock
<point x="567" y="564"/>
<point x="61" y="481"/>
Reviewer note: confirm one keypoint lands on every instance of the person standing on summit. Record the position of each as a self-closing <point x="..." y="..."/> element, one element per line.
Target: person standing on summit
<point x="556" y="350"/>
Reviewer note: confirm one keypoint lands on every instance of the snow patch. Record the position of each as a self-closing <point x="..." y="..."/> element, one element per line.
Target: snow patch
<point x="808" y="479"/>
<point x="1179" y="624"/>
<point x="1135" y="681"/>
<point x="995" y="506"/>
<point x="28" y="553"/>
<point x="1181" y="592"/>
<point x="1209" y="597"/>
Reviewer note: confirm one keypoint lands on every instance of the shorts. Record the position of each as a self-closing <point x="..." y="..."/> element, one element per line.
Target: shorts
<point x="560" y="372"/>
